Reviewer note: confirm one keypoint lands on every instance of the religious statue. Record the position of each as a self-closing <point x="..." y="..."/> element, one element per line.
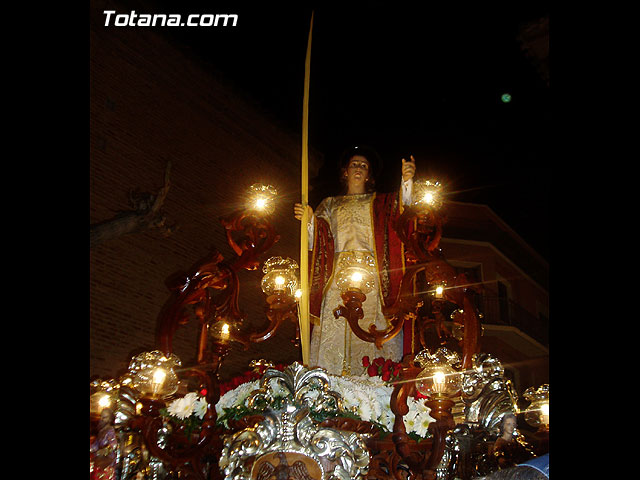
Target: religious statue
<point x="510" y="449"/>
<point x="361" y="221"/>
<point x="103" y="448"/>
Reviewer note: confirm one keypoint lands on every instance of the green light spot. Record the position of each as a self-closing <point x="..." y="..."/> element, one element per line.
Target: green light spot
<point x="506" y="98"/>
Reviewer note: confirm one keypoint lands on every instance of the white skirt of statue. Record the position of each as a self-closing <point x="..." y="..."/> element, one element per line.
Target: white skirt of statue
<point x="334" y="346"/>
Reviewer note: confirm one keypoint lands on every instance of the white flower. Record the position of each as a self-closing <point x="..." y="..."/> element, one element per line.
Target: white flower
<point x="363" y="403"/>
<point x="417" y="420"/>
<point x="387" y="418"/>
<point x="191" y="398"/>
<point x="181" y="407"/>
<point x="410" y="420"/>
<point x="200" y="407"/>
<point x="237" y="396"/>
<point x="422" y="424"/>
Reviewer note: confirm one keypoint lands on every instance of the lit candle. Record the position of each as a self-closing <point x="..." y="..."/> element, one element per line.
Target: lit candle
<point x="356" y="279"/>
<point x="439" y="384"/>
<point x="261" y="203"/>
<point x="224" y="331"/>
<point x="439" y="291"/>
<point x="158" y="379"/>
<point x="279" y="281"/>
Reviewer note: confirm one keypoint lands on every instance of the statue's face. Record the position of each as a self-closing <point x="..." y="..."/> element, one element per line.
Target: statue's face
<point x="357" y="172"/>
<point x="509" y="425"/>
<point x="105" y="416"/>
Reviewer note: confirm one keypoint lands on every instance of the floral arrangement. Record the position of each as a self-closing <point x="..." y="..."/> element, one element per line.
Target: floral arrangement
<point x="364" y="397"/>
<point x="188" y="410"/>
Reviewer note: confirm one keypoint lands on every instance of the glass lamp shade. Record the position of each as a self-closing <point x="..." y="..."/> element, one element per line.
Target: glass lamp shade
<point x="356" y="271"/>
<point x="153" y="374"/>
<point x="537" y="413"/>
<point x="426" y="194"/>
<point x="103" y="394"/>
<point x="438" y="377"/>
<point x="438" y="380"/>
<point x="457" y="330"/>
<point x="279" y="276"/>
<point x="262" y="197"/>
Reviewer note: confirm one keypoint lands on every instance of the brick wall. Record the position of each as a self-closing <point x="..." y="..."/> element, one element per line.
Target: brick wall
<point x="149" y="104"/>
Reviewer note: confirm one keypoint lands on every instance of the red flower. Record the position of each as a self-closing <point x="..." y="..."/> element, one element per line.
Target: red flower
<point x="365" y="361"/>
<point x="396" y="369"/>
<point x="386" y="375"/>
<point x="378" y="362"/>
<point x="372" y="370"/>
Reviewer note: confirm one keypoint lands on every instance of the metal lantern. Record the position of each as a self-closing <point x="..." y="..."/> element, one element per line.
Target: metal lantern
<point x="153" y="374"/>
<point x="537" y="413"/>
<point x="280" y="276"/>
<point x="426" y="194"/>
<point x="356" y="272"/>
<point x="262" y="197"/>
<point x="438" y="378"/>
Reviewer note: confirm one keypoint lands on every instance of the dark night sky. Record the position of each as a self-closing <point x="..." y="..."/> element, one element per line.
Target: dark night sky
<point x="404" y="79"/>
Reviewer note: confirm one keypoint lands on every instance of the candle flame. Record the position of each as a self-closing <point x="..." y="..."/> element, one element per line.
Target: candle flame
<point x="159" y="375"/>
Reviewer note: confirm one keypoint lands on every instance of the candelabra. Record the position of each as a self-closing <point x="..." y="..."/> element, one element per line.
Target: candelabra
<point x="420" y="229"/>
<point x="280" y="286"/>
<point x="209" y="292"/>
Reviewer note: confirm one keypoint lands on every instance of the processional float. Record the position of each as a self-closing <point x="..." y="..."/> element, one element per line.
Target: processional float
<point x="294" y="424"/>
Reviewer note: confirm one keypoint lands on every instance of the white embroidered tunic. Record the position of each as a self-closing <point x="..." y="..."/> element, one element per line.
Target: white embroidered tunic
<point x="333" y="344"/>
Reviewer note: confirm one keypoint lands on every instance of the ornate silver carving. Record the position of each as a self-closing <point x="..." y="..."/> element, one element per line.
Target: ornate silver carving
<point x="487" y="396"/>
<point x="441" y="355"/>
<point x="290" y="428"/>
<point x="486" y="393"/>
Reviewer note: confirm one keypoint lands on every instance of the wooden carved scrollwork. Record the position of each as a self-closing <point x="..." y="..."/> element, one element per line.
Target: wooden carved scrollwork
<point x="250" y="235"/>
<point x="352" y="311"/>
<point x="209" y="290"/>
<point x="421" y="232"/>
<point x="280" y="307"/>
